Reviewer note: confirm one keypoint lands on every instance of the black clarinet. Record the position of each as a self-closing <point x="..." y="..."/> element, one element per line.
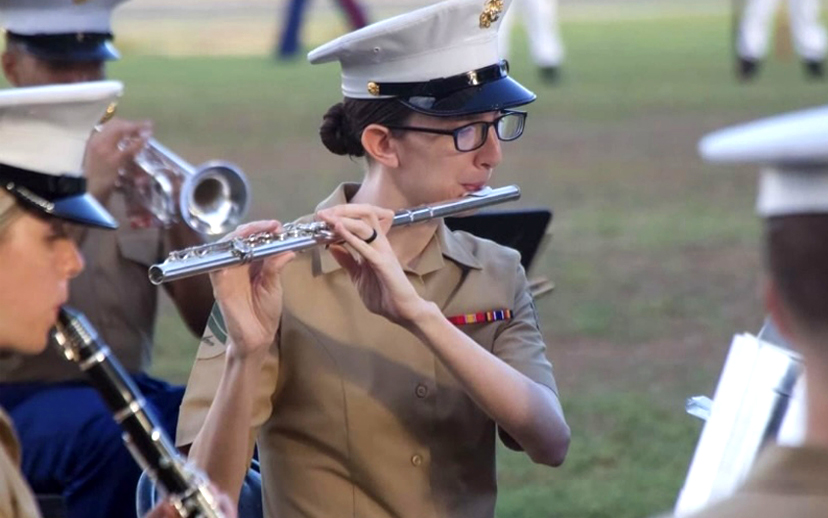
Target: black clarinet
<point x="186" y="487"/>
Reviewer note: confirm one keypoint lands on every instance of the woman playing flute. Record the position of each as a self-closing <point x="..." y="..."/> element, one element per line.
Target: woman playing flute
<point x="376" y="376"/>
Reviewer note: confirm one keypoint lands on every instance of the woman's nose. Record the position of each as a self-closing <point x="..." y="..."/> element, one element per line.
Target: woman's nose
<point x="72" y="260"/>
<point x="490" y="154"/>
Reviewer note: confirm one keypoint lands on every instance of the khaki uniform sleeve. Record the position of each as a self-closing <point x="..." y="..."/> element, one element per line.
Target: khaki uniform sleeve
<point x="204" y="381"/>
<point x="519" y="343"/>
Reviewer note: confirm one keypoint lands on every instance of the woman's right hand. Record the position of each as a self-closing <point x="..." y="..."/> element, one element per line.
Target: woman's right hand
<point x="250" y="296"/>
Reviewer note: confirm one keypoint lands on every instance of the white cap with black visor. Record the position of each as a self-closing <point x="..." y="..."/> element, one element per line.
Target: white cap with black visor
<point x="61" y="30"/>
<point x="43" y="136"/>
<point x="441" y="60"/>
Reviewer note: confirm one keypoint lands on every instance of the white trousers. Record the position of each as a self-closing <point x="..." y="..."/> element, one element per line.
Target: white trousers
<point x="540" y="19"/>
<point x="807" y="32"/>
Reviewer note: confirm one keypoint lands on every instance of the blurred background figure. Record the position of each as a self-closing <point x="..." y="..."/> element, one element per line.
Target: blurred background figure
<point x="75" y="449"/>
<point x="753" y="28"/>
<point x="540" y="20"/>
<point x="290" y="40"/>
<point x="788" y="481"/>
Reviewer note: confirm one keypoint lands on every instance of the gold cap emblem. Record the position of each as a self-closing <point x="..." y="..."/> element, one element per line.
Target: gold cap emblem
<point x="109" y="113"/>
<point x="373" y="88"/>
<point x="473" y="80"/>
<point x="491" y="13"/>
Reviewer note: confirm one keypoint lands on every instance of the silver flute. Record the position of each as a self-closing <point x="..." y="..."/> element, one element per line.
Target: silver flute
<point x="296" y="237"/>
<point x="187" y="489"/>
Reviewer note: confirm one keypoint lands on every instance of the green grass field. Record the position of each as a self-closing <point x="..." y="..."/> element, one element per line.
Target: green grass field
<point x="654" y="253"/>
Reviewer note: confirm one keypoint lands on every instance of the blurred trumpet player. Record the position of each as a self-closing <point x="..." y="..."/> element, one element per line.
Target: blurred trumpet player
<point x="75" y="448"/>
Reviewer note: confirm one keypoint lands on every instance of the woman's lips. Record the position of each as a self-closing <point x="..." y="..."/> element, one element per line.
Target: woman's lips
<point x="473" y="187"/>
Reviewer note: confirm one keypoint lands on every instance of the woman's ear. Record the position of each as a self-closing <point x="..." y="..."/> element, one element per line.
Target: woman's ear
<point x="380" y="145"/>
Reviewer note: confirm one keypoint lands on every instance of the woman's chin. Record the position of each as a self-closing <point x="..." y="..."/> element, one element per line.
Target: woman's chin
<point x="37" y="344"/>
<point x="29" y="347"/>
<point x="36" y="347"/>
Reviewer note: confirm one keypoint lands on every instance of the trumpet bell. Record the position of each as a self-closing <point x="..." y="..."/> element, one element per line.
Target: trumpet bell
<point x="214" y="199"/>
<point x="210" y="199"/>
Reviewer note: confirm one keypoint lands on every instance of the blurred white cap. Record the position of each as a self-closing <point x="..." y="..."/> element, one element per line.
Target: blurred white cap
<point x="793" y="151"/>
<point x="43" y="136"/>
<point x="61" y="29"/>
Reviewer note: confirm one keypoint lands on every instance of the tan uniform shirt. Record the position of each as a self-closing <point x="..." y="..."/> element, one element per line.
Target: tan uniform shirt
<point x="16" y="499"/>
<point x="784" y="483"/>
<point x="355" y="416"/>
<point x="116" y="296"/>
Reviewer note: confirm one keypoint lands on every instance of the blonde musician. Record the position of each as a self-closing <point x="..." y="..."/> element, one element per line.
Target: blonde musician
<point x="375" y="377"/>
<point x="55" y="42"/>
<point x="41" y="196"/>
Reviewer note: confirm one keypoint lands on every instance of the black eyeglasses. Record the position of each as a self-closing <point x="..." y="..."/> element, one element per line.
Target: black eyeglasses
<point x="469" y="137"/>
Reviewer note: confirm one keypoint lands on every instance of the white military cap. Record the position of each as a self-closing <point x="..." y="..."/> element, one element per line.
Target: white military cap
<point x="440" y="60"/>
<point x="793" y="151"/>
<point x="73" y="30"/>
<point x="43" y="135"/>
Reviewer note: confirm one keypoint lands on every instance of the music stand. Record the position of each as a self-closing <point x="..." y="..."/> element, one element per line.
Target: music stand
<point x="524" y="230"/>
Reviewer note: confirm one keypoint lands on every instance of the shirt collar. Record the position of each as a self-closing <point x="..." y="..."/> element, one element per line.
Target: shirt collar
<point x="455" y="249"/>
<point x="444" y="243"/>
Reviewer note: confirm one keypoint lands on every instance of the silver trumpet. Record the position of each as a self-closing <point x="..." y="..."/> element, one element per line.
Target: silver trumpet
<point x="212" y="199"/>
<point x="302" y="236"/>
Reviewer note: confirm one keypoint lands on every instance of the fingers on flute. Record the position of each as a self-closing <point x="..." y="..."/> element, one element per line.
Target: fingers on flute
<point x="272" y="267"/>
<point x="355" y="232"/>
<point x="230" y="281"/>
<point x="379" y="217"/>
<point x="354" y="220"/>
<point x="254" y="227"/>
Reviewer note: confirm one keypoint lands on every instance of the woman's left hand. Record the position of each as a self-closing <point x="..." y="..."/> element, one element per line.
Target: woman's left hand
<point x="376" y="271"/>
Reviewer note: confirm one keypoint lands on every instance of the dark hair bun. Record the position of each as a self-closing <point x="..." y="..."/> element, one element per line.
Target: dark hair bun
<point x="337" y="133"/>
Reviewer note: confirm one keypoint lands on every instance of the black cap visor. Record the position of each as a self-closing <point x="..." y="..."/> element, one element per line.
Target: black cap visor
<point x="69" y="47"/>
<point x="62" y="197"/>
<point x="497" y="95"/>
<point x="82" y="209"/>
<point x="85" y="210"/>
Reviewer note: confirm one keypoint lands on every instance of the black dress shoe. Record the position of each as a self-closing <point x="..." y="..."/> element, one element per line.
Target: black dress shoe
<point x="747" y="69"/>
<point x="550" y="75"/>
<point x="814" y="69"/>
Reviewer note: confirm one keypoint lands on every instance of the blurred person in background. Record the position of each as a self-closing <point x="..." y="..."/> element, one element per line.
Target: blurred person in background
<point x="540" y="21"/>
<point x="290" y="40"/>
<point x="785" y="481"/>
<point x="376" y="379"/>
<point x="753" y="31"/>
<point x="41" y="196"/>
<point x="74" y="448"/>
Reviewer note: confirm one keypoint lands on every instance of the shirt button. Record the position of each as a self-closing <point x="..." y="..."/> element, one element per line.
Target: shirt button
<point x="417" y="460"/>
<point x="421" y="391"/>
